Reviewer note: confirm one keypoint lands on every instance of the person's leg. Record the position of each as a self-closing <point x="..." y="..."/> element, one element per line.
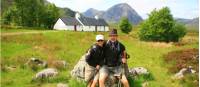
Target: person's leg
<point x="89" y="71"/>
<point x="89" y="84"/>
<point x="95" y="81"/>
<point x="103" y="74"/>
<point x="118" y="72"/>
<point x="124" y="81"/>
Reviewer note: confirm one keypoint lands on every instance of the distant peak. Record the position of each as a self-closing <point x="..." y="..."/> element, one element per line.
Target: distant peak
<point x="123" y="4"/>
<point x="92" y="9"/>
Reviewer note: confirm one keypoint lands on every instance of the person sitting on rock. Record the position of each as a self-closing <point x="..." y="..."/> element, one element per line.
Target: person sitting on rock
<point x="115" y="55"/>
<point x="94" y="59"/>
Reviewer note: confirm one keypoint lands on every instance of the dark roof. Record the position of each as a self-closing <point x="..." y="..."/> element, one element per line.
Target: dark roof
<point x="70" y="21"/>
<point x="93" y="21"/>
<point x="85" y="20"/>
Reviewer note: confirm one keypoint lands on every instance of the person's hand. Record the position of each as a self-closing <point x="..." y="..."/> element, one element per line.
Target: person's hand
<point x="97" y="67"/>
<point x="123" y="60"/>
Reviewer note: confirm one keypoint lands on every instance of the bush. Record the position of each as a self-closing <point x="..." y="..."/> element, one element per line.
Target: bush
<point x="125" y="26"/>
<point x="160" y="26"/>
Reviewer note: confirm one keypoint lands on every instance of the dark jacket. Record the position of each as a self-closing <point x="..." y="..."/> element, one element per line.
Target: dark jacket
<point x="95" y="56"/>
<point x="113" y="53"/>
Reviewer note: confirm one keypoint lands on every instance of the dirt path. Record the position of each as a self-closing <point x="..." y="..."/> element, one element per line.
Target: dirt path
<point x="28" y="32"/>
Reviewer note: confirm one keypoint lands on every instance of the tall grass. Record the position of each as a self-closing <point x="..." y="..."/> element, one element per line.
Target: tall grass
<point x="70" y="46"/>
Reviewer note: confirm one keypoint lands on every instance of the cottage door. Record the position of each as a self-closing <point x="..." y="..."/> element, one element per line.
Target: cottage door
<point x="96" y="28"/>
<point x="74" y="27"/>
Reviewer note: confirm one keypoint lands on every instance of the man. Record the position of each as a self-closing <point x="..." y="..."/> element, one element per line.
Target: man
<point x="94" y="59"/>
<point x="114" y="52"/>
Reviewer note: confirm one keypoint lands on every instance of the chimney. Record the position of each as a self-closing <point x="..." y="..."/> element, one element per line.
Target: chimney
<point x="96" y="17"/>
<point x="77" y="15"/>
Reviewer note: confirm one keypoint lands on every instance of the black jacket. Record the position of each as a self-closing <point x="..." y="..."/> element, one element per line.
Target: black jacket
<point x="113" y="53"/>
<point x="95" y="56"/>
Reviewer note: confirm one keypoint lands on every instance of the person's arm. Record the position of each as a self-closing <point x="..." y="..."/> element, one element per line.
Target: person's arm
<point x="123" y="54"/>
<point x="89" y="56"/>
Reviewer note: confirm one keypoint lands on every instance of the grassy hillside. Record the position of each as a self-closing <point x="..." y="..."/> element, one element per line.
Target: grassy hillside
<point x="70" y="46"/>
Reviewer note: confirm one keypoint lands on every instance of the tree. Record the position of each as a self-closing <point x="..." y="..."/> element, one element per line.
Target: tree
<point x="31" y="13"/>
<point x="160" y="26"/>
<point x="125" y="25"/>
<point x="51" y="15"/>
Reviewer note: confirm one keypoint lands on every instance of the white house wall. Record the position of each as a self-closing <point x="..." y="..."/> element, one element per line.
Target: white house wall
<point x="60" y="25"/>
<point x="79" y="28"/>
<point x="106" y="28"/>
<point x="89" y="28"/>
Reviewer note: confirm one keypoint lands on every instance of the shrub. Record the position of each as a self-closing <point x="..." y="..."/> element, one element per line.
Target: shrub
<point x="160" y="26"/>
<point x="125" y="26"/>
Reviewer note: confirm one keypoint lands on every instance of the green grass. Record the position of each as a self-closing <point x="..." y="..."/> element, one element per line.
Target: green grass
<point x="70" y="46"/>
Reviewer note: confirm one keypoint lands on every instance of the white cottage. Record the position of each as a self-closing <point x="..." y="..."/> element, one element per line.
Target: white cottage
<point x="81" y="23"/>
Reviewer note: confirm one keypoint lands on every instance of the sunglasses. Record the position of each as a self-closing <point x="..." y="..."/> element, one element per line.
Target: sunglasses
<point x="100" y="41"/>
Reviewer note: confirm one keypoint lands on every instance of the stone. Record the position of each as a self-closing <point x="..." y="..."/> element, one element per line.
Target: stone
<point x="138" y="71"/>
<point x="46" y="73"/>
<point x="78" y="72"/>
<point x="36" y="62"/>
<point x="184" y="71"/>
<point x="79" y="69"/>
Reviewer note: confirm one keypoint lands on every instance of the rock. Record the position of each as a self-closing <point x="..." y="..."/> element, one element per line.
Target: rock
<point x="36" y="62"/>
<point x="138" y="71"/>
<point x="184" y="71"/>
<point x="62" y="85"/>
<point x="46" y="73"/>
<point x="79" y="71"/>
<point x="180" y="75"/>
<point x="191" y="70"/>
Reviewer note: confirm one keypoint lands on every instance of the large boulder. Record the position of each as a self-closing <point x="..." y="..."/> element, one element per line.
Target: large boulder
<point x="79" y="71"/>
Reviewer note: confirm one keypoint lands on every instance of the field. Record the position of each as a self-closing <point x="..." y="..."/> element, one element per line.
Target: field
<point x="70" y="46"/>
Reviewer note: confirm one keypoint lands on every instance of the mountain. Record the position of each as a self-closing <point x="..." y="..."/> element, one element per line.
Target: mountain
<point x="182" y="20"/>
<point x="93" y="12"/>
<point x="66" y="12"/>
<point x="192" y="24"/>
<point x="115" y="13"/>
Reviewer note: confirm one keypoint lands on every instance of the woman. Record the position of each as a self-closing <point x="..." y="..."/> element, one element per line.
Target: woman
<point x="94" y="59"/>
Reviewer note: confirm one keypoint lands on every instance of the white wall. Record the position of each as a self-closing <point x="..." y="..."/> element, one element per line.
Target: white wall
<point x="79" y="28"/>
<point x="106" y="28"/>
<point x="89" y="28"/>
<point x="60" y="25"/>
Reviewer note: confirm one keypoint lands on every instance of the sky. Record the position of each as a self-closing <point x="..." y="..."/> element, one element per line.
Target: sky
<point x="179" y="8"/>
